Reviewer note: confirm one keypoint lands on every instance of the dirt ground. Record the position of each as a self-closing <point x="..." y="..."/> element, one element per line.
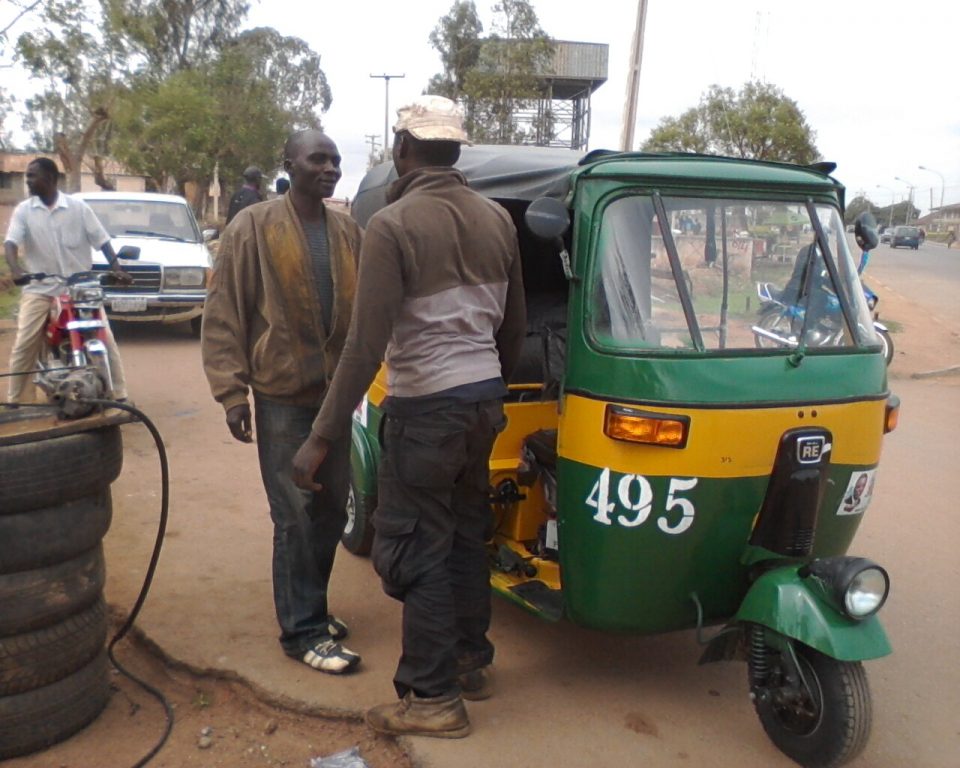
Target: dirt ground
<point x="219" y="723"/>
<point x="224" y="722"/>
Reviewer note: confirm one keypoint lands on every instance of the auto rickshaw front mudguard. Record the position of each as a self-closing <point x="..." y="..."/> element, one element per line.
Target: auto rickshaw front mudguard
<point x="790" y="606"/>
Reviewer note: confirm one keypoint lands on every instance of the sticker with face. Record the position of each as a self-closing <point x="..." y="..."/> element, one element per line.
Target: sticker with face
<point x="856" y="498"/>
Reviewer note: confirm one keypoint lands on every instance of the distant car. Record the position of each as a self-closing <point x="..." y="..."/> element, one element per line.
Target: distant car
<point x="170" y="278"/>
<point x="886" y="235"/>
<point x="905" y="236"/>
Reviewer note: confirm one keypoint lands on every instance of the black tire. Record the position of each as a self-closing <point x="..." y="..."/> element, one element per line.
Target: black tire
<point x="358" y="534"/>
<point x="825" y="726"/>
<point x="776" y="321"/>
<point x="36" y="539"/>
<point x="34" y="720"/>
<point x="887" y="342"/>
<point x="34" y="599"/>
<point x="35" y="659"/>
<point x="54" y="470"/>
<point x="196" y="325"/>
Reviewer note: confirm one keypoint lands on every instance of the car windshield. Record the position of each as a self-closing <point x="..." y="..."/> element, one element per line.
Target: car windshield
<point x="710" y="275"/>
<point x="907" y="232"/>
<point x="146" y="218"/>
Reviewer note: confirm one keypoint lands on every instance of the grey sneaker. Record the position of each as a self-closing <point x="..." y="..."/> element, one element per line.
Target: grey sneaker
<point x="329" y="656"/>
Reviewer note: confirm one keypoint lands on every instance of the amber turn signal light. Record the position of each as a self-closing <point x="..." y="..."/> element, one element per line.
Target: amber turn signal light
<point x="636" y="426"/>
<point x="892" y="414"/>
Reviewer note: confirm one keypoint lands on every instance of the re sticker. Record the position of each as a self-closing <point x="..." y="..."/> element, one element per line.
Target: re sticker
<point x="859" y="491"/>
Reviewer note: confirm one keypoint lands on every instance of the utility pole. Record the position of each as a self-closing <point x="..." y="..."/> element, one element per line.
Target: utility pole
<point x="633" y="80"/>
<point x="372" y="141"/>
<point x="386" y="110"/>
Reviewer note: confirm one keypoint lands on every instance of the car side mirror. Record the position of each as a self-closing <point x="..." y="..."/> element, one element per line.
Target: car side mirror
<point x="865" y="231"/>
<point x="210" y="234"/>
<point x="129" y="252"/>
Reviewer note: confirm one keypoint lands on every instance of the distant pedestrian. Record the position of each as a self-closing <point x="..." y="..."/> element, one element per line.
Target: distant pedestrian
<point x="248" y="194"/>
<point x="950" y="238"/>
<point x="282" y="185"/>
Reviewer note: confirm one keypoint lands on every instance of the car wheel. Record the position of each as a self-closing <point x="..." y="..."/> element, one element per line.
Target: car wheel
<point x="36" y="719"/>
<point x="84" y="464"/>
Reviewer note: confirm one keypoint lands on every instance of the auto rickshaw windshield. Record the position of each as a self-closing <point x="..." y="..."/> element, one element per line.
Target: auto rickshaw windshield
<point x="682" y="273"/>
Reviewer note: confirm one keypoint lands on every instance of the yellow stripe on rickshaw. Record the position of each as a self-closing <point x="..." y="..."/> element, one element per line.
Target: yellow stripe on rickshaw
<point x="722" y="442"/>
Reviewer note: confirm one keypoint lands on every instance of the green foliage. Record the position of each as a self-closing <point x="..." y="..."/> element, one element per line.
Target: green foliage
<point x="457" y="38"/>
<point x="759" y="122"/>
<point x="494" y="77"/>
<point x="170" y="35"/>
<point x="81" y="71"/>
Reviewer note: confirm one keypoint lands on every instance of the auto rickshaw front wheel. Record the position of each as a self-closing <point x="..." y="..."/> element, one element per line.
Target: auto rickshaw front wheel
<point x="819" y="718"/>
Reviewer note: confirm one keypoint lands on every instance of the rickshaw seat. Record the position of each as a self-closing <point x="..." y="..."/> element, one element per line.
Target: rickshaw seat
<point x="542" y="445"/>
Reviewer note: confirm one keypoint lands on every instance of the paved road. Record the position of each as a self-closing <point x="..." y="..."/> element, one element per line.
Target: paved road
<point x="929" y="276"/>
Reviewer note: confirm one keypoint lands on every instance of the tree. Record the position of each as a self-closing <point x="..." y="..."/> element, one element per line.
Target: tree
<point x="495" y="78"/>
<point x="16" y="10"/>
<point x="82" y="74"/>
<point x="457" y="38"/>
<point x="235" y="110"/>
<point x="172" y="35"/>
<point x="759" y="122"/>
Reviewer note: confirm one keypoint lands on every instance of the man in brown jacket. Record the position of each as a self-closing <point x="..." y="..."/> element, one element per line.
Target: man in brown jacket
<point x="275" y="322"/>
<point x="441" y="292"/>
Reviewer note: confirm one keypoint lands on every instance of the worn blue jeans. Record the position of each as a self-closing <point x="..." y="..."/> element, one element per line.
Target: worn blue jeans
<point x="306" y="526"/>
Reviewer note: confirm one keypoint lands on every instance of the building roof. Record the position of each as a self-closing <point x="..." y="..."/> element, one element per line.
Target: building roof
<point x="17" y="162"/>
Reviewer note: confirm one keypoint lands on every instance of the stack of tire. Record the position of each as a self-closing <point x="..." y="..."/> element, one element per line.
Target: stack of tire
<point x="54" y="511"/>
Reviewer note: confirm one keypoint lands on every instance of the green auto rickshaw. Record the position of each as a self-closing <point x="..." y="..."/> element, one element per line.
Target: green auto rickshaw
<point x="670" y="462"/>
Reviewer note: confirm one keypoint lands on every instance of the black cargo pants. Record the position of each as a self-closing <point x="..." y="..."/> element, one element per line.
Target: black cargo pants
<point x="432" y="520"/>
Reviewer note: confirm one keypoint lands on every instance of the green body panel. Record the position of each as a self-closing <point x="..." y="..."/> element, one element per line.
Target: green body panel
<point x="365" y="452"/>
<point x="639" y="579"/>
<point x="795" y="608"/>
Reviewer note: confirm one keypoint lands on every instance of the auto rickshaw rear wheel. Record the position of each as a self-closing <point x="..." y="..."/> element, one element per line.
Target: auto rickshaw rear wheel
<point x="821" y="721"/>
<point x="358" y="534"/>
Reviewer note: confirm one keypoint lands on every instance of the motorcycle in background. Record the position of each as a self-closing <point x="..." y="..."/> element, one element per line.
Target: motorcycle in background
<point x="74" y="366"/>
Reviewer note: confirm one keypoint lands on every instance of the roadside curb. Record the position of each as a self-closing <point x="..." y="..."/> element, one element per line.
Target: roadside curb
<point x="950" y="370"/>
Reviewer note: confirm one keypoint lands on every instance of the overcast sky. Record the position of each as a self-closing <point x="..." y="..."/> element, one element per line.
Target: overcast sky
<point x="876" y="80"/>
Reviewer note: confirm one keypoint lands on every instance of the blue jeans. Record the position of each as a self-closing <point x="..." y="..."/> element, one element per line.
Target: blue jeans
<point x="306" y="526"/>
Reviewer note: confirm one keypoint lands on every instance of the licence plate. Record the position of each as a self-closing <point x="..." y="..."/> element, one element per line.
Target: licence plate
<point x="129" y="304"/>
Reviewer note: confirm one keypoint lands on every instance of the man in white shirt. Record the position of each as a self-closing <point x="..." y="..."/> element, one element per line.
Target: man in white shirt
<point x="56" y="234"/>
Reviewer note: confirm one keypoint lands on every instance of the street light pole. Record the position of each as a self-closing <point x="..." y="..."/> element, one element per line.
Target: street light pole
<point x="893" y="197"/>
<point x="386" y="110"/>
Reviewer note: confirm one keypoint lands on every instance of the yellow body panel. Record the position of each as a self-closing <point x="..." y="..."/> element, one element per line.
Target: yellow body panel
<point x="723" y="442"/>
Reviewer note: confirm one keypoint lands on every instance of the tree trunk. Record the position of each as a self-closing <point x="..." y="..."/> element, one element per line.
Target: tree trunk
<point x="99" y="177"/>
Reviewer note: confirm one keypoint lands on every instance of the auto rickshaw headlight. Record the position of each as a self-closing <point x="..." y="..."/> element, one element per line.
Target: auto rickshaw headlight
<point x="866" y="593"/>
<point x="857" y="586"/>
<point x="636" y="426"/>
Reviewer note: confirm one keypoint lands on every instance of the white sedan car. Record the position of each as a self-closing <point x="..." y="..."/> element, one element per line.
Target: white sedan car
<point x="170" y="277"/>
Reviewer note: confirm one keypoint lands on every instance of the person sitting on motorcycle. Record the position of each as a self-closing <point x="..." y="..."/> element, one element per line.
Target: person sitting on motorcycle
<point x="814" y="293"/>
<point x="56" y="233"/>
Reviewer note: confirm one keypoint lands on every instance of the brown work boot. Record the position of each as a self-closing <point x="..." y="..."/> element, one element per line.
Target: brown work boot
<point x="476" y="685"/>
<point x="443" y="717"/>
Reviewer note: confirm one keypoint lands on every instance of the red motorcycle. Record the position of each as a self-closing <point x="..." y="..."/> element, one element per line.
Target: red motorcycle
<point x="74" y="366"/>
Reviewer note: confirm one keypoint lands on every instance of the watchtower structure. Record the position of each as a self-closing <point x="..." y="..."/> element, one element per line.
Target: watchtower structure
<point x="561" y="117"/>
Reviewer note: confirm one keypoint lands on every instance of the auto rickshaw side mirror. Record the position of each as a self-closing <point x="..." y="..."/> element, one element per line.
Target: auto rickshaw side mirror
<point x="547" y="218"/>
<point x="865" y="231"/>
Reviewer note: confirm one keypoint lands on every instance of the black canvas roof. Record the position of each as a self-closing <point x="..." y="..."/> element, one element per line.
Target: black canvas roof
<point x="500" y="172"/>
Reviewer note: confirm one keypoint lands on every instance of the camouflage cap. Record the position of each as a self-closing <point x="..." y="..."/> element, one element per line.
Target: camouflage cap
<point x="432" y="118"/>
